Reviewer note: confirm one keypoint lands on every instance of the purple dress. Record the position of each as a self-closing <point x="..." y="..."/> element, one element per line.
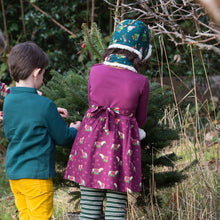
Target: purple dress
<point x="106" y="153"/>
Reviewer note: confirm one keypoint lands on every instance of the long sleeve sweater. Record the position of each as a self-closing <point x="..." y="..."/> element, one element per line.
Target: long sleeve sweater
<point x="33" y="127"/>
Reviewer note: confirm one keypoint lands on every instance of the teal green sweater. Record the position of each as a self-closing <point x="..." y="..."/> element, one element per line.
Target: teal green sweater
<point x="33" y="127"/>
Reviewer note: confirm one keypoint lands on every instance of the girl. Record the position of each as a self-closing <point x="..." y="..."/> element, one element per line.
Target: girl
<point x="106" y="155"/>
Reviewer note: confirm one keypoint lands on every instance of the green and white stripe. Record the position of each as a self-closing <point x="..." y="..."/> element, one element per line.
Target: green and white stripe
<point x="92" y="202"/>
<point x="115" y="205"/>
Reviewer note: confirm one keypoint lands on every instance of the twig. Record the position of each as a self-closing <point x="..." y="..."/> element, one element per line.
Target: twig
<point x="167" y="17"/>
<point x="22" y="15"/>
<point x="5" y="24"/>
<point x="56" y="22"/>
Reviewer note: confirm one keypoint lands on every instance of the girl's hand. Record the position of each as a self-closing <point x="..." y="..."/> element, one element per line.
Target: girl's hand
<point x="39" y="93"/>
<point x="75" y="125"/>
<point x="63" y="112"/>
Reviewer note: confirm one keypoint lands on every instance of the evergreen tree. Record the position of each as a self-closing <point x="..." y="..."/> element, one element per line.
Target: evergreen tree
<point x="159" y="137"/>
<point x="73" y="96"/>
<point x="67" y="91"/>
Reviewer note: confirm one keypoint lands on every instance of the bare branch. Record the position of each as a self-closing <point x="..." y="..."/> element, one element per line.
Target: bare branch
<point x="183" y="21"/>
<point x="22" y="16"/>
<point x="5" y="23"/>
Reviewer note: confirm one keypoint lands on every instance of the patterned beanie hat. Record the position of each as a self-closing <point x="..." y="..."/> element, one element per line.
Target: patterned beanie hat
<point x="134" y="36"/>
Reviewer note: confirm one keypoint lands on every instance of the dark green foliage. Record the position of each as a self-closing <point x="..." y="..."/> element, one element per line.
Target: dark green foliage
<point x="159" y="137"/>
<point x="75" y="196"/>
<point x="167" y="160"/>
<point x="59" y="181"/>
<point x="93" y="41"/>
<point x="61" y="47"/>
<point x="68" y="91"/>
<point x="168" y="179"/>
<point x="3" y="140"/>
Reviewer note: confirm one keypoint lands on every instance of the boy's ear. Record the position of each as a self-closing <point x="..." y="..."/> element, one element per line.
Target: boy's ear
<point x="36" y="71"/>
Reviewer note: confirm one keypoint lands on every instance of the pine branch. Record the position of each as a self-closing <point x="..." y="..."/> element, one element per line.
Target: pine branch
<point x="167" y="160"/>
<point x="89" y="42"/>
<point x="97" y="39"/>
<point x="168" y="179"/>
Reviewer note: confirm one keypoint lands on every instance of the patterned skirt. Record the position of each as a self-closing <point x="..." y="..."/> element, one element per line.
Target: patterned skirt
<point x="106" y="153"/>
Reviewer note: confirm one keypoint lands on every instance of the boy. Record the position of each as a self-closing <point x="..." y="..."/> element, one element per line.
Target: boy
<point x="33" y="127"/>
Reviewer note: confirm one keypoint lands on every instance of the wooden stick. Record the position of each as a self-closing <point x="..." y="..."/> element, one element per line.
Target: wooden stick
<point x="5" y="24"/>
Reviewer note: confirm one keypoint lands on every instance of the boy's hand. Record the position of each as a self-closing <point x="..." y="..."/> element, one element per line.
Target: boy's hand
<point x="75" y="125"/>
<point x="63" y="112"/>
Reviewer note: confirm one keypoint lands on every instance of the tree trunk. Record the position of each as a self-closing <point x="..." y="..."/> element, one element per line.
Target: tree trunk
<point x="5" y="24"/>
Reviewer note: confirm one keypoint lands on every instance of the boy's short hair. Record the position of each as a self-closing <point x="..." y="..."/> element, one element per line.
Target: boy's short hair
<point x="2" y="43"/>
<point x="24" y="58"/>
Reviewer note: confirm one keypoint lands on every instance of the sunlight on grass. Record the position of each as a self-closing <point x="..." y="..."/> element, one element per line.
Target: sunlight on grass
<point x="62" y="204"/>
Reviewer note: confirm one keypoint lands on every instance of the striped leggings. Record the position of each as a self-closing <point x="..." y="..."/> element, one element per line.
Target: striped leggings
<point x="92" y="201"/>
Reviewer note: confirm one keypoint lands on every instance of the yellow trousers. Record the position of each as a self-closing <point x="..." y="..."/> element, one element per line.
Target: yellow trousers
<point x="33" y="198"/>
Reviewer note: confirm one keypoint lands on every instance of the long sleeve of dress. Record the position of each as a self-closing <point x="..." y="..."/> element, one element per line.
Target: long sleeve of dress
<point x="89" y="99"/>
<point x="141" y="113"/>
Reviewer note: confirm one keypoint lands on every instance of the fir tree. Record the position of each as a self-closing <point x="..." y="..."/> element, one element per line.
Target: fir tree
<point x="159" y="137"/>
<point x="70" y="91"/>
<point x="67" y="91"/>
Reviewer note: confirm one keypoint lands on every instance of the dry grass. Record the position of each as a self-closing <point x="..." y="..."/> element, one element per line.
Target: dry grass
<point x="197" y="197"/>
<point x="62" y="204"/>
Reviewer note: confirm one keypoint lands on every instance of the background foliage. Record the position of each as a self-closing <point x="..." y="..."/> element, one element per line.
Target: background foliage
<point x="61" y="47"/>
